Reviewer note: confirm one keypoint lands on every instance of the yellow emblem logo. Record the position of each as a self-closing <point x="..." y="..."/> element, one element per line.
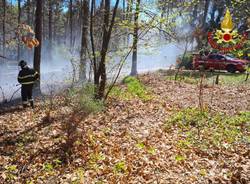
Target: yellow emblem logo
<point x="227" y="38"/>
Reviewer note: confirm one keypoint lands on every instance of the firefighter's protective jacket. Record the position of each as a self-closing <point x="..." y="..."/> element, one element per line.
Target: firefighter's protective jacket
<point x="27" y="76"/>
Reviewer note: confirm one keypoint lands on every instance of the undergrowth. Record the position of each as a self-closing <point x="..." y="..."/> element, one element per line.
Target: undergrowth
<point x="134" y="89"/>
<point x="83" y="99"/>
<point x="205" y="130"/>
<point x="83" y="103"/>
<point x="192" y="77"/>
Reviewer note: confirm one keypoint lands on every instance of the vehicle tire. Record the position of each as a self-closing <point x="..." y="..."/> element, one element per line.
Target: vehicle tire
<point x="231" y="68"/>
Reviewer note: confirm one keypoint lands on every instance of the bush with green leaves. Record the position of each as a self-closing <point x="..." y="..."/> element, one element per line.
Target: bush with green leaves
<point x="87" y="99"/>
<point x="120" y="93"/>
<point x="84" y="99"/>
<point x="134" y="88"/>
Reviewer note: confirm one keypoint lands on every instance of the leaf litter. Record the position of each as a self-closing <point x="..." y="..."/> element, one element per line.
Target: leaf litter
<point x="125" y="143"/>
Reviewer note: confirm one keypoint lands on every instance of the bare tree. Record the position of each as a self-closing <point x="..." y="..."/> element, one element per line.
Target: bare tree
<point x="129" y="16"/>
<point x="71" y="22"/>
<point x="28" y="12"/>
<point x="38" y="32"/>
<point x="84" y="44"/>
<point x="50" y="26"/>
<point x="135" y="39"/>
<point x="19" y="22"/>
<point x="4" y="21"/>
<point x="100" y="75"/>
<point x="207" y="2"/>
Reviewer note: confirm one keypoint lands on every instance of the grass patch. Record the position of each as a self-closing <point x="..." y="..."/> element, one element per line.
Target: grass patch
<point x="134" y="89"/>
<point x="205" y="130"/>
<point x="120" y="93"/>
<point x="193" y="77"/>
<point x="232" y="79"/>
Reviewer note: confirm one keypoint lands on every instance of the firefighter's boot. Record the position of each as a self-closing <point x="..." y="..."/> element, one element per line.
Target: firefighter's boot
<point x="32" y="104"/>
<point x="25" y="105"/>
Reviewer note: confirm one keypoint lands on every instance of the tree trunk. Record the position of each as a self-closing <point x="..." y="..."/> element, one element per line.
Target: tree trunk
<point x="50" y="30"/>
<point x="55" y="25"/>
<point x="29" y="21"/>
<point x="105" y="41"/>
<point x="212" y="21"/>
<point x="91" y="31"/>
<point x="66" y="30"/>
<point x="44" y="23"/>
<point x="19" y="22"/>
<point x="33" y="14"/>
<point x="129" y="17"/>
<point x="71" y="22"/>
<point x="84" y="44"/>
<point x="124" y="10"/>
<point x="80" y="18"/>
<point x="107" y="29"/>
<point x="101" y="4"/>
<point x="195" y="12"/>
<point x="55" y="29"/>
<point x="28" y="13"/>
<point x="38" y="32"/>
<point x="4" y="21"/>
<point x="135" y="39"/>
<point x="124" y="18"/>
<point x="94" y="7"/>
<point x="205" y="13"/>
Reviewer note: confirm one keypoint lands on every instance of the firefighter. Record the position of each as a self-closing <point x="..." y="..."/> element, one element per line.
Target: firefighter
<point x="27" y="77"/>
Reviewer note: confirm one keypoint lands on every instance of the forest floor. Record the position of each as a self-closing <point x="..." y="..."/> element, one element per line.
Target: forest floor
<point x="162" y="136"/>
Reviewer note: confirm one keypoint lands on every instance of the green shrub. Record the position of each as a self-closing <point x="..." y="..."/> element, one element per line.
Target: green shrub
<point x="120" y="93"/>
<point x="136" y="88"/>
<point x="84" y="99"/>
<point x="129" y="79"/>
<point x="87" y="100"/>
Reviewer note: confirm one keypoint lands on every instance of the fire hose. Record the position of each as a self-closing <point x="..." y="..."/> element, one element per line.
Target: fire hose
<point x="15" y="92"/>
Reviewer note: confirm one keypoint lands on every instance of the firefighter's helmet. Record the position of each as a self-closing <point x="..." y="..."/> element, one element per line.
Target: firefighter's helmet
<point x="22" y="63"/>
